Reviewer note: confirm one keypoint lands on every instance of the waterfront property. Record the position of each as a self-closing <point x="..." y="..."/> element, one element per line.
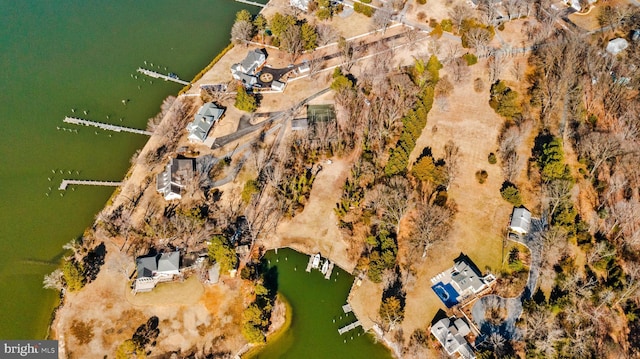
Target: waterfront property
<point x="177" y="173"/>
<point x="451" y="332"/>
<point x="162" y="267"/>
<point x="520" y="221"/>
<point x="461" y="281"/>
<point x="203" y="121"/>
<point x="247" y="70"/>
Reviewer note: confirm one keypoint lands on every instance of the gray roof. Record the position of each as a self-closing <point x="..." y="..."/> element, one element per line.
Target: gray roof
<point x="520" y="220"/>
<point x="169" y="262"/>
<point x="466" y="277"/>
<point x="175" y="176"/>
<point x="253" y="61"/>
<point x="248" y="80"/>
<point x="277" y="85"/>
<point x="450" y="334"/>
<point x="299" y="124"/>
<point x="146" y="266"/>
<point x="207" y="115"/>
<point x="164" y="262"/>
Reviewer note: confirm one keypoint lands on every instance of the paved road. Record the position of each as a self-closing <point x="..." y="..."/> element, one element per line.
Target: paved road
<point x="513" y="305"/>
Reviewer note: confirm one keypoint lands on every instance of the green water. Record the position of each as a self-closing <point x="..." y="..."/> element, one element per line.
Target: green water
<point x="64" y="54"/>
<point x="316" y="303"/>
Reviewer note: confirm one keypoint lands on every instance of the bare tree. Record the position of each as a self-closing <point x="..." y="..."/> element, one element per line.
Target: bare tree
<point x="451" y="161"/>
<point x="431" y="224"/>
<point x="513" y="8"/>
<point x="459" y="70"/>
<point x="488" y="11"/>
<point x="326" y="34"/>
<point x="242" y="31"/>
<point x="394" y="200"/>
<point x="478" y="38"/>
<point x="382" y="17"/>
<point x="600" y="147"/>
<point x="555" y="193"/>
<point x="291" y="41"/>
<point x="459" y="13"/>
<point x="495" y="65"/>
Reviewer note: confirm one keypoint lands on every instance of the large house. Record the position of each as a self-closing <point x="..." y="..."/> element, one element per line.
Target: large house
<point x="466" y="278"/>
<point x="202" y="122"/>
<point x="174" y="178"/>
<point x="451" y="333"/>
<point x="520" y="221"/>
<point x="247" y="70"/>
<point x="155" y="269"/>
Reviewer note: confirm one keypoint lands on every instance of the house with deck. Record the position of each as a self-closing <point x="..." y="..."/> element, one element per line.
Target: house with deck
<point x="451" y="332"/>
<point x="176" y="175"/>
<point x="203" y="121"/>
<point x="154" y="269"/>
<point x="463" y="280"/>
<point x="248" y="69"/>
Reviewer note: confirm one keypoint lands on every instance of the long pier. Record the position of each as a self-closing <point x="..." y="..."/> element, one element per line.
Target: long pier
<point x="349" y="327"/>
<point x="158" y="75"/>
<point x="251" y="3"/>
<point x="105" y="126"/>
<point x="66" y="182"/>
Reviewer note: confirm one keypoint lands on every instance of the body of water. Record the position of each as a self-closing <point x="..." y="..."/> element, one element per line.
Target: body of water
<point x="317" y="314"/>
<point x="70" y="54"/>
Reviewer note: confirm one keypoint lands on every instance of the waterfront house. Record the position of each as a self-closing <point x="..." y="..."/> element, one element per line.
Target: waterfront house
<point x="202" y="122"/>
<point x="463" y="280"/>
<point x="247" y="70"/>
<point x="520" y="221"/>
<point x="154" y="269"/>
<point x="451" y="332"/>
<point x="177" y="173"/>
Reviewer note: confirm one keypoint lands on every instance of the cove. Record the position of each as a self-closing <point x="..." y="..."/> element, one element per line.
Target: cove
<point x="315" y="302"/>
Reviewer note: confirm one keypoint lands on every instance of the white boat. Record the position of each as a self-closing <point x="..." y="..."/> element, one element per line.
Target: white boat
<point x="325" y="267"/>
<point x="316" y="261"/>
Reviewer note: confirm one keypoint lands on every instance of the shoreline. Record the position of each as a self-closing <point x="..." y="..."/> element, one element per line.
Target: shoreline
<point x="277" y="334"/>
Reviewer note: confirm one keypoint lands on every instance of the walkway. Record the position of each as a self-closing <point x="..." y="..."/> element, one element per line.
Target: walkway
<point x="158" y="75"/>
<point x="66" y="182"/>
<point x="349" y="327"/>
<point x="507" y="329"/>
<point x="251" y="3"/>
<point x="105" y="126"/>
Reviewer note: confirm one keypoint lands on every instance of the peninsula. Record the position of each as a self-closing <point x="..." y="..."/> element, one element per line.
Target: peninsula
<point x="473" y="165"/>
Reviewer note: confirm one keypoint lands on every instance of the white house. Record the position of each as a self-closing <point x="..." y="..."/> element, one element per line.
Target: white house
<point x="155" y="269"/>
<point x="202" y="122"/>
<point x="616" y="46"/>
<point x="520" y="221"/>
<point x="177" y="173"/>
<point x="467" y="280"/>
<point x="278" y="86"/>
<point x="451" y="332"/>
<point x="247" y="70"/>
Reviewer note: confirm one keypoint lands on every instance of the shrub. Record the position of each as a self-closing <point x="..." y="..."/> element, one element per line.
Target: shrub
<point x="471" y="59"/>
<point x="482" y="176"/>
<point x="250" y="188"/>
<point x="244" y="101"/>
<point x="492" y="158"/>
<point x="447" y="25"/>
<point x="511" y="194"/>
<point x="366" y="1"/>
<point x="436" y="33"/>
<point x="501" y="27"/>
<point x="363" y="9"/>
<point x="421" y="16"/>
<point x="478" y="85"/>
<point x="422" y="2"/>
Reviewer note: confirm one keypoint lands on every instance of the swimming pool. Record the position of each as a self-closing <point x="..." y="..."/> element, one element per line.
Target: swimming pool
<point x="447" y="293"/>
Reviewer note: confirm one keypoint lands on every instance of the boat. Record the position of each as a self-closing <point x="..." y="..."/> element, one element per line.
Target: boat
<point x="173" y="76"/>
<point x="325" y="267"/>
<point x="316" y="261"/>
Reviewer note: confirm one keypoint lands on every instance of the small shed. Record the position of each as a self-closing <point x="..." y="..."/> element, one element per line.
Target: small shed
<point x="278" y="86"/>
<point x="520" y="221"/>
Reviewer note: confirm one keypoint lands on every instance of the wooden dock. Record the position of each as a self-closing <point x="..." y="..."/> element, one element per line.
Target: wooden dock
<point x="349" y="327"/>
<point x="66" y="182"/>
<point x="158" y="75"/>
<point x="329" y="271"/>
<point x="347" y="308"/>
<point x="251" y="3"/>
<point x="105" y="126"/>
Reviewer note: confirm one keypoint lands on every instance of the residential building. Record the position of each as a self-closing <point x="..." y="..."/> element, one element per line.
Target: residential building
<point x="466" y="278"/>
<point x="177" y="173"/>
<point x="155" y="269"/>
<point x="202" y="122"/>
<point x="247" y="70"/>
<point x="451" y="332"/>
<point x="278" y="86"/>
<point x="520" y="221"/>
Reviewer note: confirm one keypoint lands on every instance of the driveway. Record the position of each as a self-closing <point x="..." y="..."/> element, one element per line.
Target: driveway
<point x="513" y="306"/>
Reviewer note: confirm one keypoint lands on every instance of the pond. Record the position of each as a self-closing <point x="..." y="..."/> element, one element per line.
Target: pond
<point x="317" y="314"/>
